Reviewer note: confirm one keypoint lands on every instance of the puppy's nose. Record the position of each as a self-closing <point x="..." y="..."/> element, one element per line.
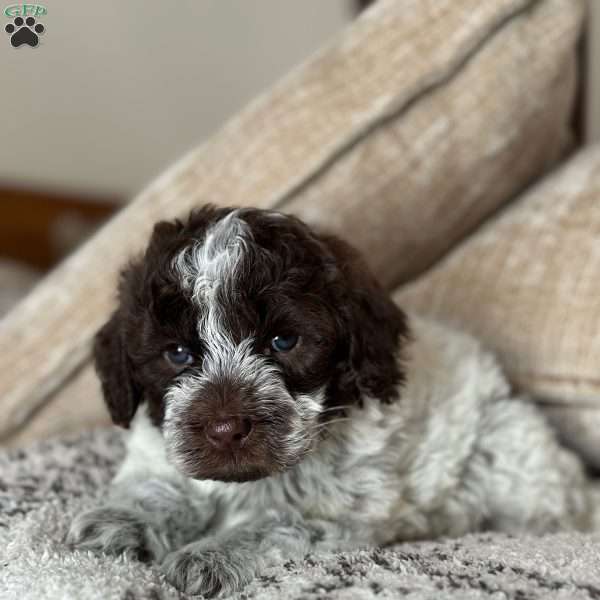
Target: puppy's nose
<point x="229" y="432"/>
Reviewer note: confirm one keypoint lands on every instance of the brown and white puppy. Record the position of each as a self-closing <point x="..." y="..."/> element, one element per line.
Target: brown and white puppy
<point x="279" y="405"/>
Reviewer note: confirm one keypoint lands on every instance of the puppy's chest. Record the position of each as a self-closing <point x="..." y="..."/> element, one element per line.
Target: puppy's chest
<point x="338" y="485"/>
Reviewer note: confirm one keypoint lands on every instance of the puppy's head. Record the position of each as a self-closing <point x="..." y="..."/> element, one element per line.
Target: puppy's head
<point x="245" y="332"/>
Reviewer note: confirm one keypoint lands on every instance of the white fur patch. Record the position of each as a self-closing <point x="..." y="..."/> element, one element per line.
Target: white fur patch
<point x="145" y="450"/>
<point x="212" y="261"/>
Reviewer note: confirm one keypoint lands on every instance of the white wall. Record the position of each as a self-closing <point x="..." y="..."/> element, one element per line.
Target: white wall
<point x="117" y="90"/>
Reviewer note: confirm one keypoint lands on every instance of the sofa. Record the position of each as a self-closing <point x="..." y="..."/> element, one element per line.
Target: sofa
<point x="438" y="138"/>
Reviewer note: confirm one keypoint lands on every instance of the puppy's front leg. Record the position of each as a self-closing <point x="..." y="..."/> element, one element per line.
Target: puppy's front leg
<point x="148" y="517"/>
<point x="225" y="563"/>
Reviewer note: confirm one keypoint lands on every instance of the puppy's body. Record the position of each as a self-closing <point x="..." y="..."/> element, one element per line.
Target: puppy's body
<point x="457" y="454"/>
<point x="450" y="451"/>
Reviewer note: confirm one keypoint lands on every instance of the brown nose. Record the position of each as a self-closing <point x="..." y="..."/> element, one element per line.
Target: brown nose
<point x="230" y="432"/>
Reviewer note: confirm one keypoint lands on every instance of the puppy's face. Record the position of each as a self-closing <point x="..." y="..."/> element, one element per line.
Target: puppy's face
<point x="245" y="332"/>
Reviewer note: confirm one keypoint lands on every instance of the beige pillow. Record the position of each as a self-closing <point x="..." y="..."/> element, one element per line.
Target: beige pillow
<point x="485" y="93"/>
<point x="528" y="284"/>
<point x="413" y="126"/>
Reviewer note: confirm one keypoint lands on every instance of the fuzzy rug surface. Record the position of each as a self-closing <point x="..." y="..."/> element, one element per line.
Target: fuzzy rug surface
<point x="44" y="486"/>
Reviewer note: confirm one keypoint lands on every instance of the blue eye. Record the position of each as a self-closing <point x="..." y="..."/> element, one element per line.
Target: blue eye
<point x="283" y="343"/>
<point x="179" y="356"/>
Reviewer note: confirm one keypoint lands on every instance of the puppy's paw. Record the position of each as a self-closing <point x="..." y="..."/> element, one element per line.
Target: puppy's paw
<point x="115" y="530"/>
<point x="209" y="570"/>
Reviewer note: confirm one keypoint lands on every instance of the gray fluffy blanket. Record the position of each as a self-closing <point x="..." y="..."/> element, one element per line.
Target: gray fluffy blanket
<point x="44" y="486"/>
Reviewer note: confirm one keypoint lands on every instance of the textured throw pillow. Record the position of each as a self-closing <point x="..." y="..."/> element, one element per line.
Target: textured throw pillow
<point x="483" y="97"/>
<point x="412" y="127"/>
<point x="528" y="284"/>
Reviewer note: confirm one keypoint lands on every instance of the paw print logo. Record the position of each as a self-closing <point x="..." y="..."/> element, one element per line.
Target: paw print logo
<point x="24" y="32"/>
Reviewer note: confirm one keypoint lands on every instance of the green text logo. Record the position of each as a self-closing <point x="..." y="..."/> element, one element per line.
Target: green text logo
<point x="25" y="10"/>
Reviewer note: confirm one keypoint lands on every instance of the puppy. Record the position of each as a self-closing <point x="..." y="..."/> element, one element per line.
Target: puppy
<point x="280" y="403"/>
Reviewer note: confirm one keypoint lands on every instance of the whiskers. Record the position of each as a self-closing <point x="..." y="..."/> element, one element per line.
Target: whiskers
<point x="304" y="439"/>
<point x="338" y="407"/>
<point x="327" y="426"/>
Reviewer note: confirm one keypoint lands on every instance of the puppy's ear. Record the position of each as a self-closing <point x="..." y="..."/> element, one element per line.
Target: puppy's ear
<point x="115" y="372"/>
<point x="374" y="328"/>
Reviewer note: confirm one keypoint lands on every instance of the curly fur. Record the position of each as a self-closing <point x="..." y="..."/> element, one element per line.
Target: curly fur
<point x="363" y="435"/>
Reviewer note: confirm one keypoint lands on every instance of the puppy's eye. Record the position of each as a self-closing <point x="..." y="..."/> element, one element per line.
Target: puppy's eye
<point x="283" y="343"/>
<point x="179" y="356"/>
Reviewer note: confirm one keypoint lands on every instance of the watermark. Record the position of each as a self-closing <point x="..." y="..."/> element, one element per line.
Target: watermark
<point x="25" y="29"/>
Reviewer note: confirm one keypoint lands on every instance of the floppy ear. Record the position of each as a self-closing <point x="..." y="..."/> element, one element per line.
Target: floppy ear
<point x="374" y="328"/>
<point x="115" y="372"/>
